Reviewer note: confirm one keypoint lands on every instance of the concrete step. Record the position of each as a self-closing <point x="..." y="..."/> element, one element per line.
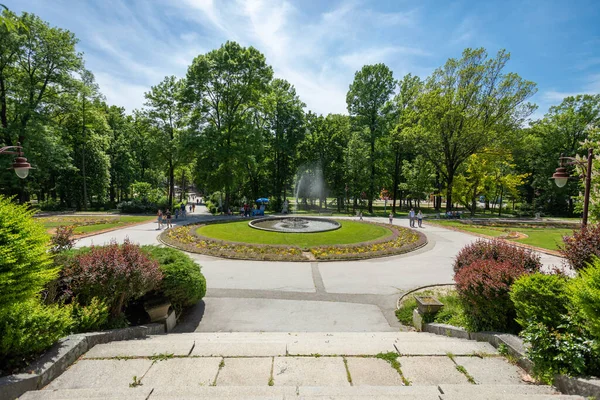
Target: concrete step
<point x="491" y="392"/>
<point x="277" y="344"/>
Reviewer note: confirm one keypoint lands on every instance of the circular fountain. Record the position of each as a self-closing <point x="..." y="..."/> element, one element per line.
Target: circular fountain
<point x="295" y="224"/>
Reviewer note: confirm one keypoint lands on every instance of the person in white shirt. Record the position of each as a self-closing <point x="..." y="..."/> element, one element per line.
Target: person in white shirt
<point x="411" y="216"/>
<point x="420" y="218"/>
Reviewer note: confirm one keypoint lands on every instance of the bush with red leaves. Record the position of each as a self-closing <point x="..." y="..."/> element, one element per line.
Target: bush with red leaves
<point x="580" y="249"/>
<point x="114" y="273"/>
<point x="497" y="250"/>
<point x="483" y="288"/>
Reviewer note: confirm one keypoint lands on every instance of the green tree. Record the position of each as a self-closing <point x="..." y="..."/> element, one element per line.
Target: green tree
<point x="224" y="90"/>
<point x="467" y="105"/>
<point x="418" y="175"/>
<point x="368" y="94"/>
<point x="168" y="116"/>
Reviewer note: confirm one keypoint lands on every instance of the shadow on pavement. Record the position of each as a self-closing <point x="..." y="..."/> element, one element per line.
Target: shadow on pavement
<point x="190" y="319"/>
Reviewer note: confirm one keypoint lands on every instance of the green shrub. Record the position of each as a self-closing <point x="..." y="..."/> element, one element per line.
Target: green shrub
<point x="183" y="284"/>
<point x="483" y="288"/>
<point x="114" y="273"/>
<point x="93" y="317"/>
<point x="540" y="298"/>
<point x="25" y="264"/>
<point x="28" y="328"/>
<point x="567" y="349"/>
<point x="585" y="294"/>
<point x="581" y="248"/>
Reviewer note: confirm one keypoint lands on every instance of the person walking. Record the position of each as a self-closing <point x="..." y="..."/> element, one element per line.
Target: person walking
<point x="169" y="219"/>
<point x="411" y="217"/>
<point x="160" y="219"/>
<point x="360" y="216"/>
<point x="420" y="219"/>
<point x="193" y="207"/>
<point x="391" y="218"/>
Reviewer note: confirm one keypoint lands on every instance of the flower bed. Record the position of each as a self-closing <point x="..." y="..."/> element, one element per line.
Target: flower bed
<point x="186" y="238"/>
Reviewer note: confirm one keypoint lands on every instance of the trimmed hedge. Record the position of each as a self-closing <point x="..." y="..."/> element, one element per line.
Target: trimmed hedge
<point x="183" y="284"/>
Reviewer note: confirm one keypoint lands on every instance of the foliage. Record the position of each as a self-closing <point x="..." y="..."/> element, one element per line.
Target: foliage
<point x="585" y="295"/>
<point x="183" y="284"/>
<point x="567" y="349"/>
<point x="62" y="240"/>
<point x="114" y="273"/>
<point x="468" y="105"/>
<point x="483" y="287"/>
<point x="91" y="317"/>
<point x="500" y="251"/>
<point x="367" y="96"/>
<point x="540" y="298"/>
<point x="28" y="328"/>
<point x="25" y="265"/>
<point x="143" y="206"/>
<point x="582" y="247"/>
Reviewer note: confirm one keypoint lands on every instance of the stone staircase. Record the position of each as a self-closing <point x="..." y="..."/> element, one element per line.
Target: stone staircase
<point x="383" y="365"/>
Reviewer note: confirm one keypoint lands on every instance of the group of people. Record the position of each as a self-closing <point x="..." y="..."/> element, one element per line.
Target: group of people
<point x="412" y="217"/>
<point x="166" y="217"/>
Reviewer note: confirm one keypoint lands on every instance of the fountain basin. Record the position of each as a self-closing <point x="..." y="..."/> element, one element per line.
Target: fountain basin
<point x="295" y="224"/>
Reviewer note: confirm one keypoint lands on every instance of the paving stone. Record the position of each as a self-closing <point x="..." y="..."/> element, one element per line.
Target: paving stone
<point x="180" y="373"/>
<point x="370" y="392"/>
<point x="491" y="370"/>
<point x="372" y="372"/>
<point x="117" y="374"/>
<point x="138" y="393"/>
<point x="495" y="396"/>
<point x="430" y="370"/>
<point x="245" y="371"/>
<point x="140" y="348"/>
<point x="484" y="390"/>
<point x="239" y="349"/>
<point x="340" y="346"/>
<point x="226" y="393"/>
<point x="309" y="371"/>
<point x="456" y="347"/>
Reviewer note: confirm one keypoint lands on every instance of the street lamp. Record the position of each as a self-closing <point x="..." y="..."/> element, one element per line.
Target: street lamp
<point x="561" y="176"/>
<point x="20" y="164"/>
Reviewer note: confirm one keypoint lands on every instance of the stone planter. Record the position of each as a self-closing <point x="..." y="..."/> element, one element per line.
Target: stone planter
<point x="428" y="304"/>
<point x="158" y="311"/>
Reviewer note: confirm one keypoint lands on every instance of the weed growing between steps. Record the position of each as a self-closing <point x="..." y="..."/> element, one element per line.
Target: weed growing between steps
<point x="392" y="358"/>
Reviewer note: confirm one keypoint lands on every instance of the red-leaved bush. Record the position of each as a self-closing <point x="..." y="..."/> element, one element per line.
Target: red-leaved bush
<point x="483" y="288"/>
<point x="114" y="273"/>
<point x="580" y="249"/>
<point x="497" y="250"/>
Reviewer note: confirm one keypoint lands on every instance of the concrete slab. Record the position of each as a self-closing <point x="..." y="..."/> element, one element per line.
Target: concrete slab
<point x="137" y="393"/>
<point x="242" y="314"/>
<point x="239" y="349"/>
<point x="430" y="371"/>
<point x="340" y="346"/>
<point x="491" y="370"/>
<point x="468" y="389"/>
<point x="372" y="372"/>
<point x="116" y="374"/>
<point x="181" y="373"/>
<point x="140" y="348"/>
<point x="225" y="393"/>
<point x="258" y="275"/>
<point x="456" y="347"/>
<point x="309" y="371"/>
<point x="370" y="392"/>
<point x="253" y="371"/>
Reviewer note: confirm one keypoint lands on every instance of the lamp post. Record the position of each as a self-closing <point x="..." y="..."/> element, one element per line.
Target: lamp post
<point x="561" y="176"/>
<point x="20" y="164"/>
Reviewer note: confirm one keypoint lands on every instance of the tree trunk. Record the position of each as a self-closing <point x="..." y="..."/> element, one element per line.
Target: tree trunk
<point x="396" y="172"/>
<point x="449" y="191"/>
<point x="171" y="184"/>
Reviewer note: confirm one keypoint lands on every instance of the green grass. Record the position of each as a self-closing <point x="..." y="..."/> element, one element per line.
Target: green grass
<point x="452" y="313"/>
<point x="86" y="224"/>
<point x="545" y="238"/>
<point x="350" y="232"/>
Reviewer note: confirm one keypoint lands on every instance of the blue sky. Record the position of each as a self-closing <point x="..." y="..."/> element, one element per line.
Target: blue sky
<point x="317" y="46"/>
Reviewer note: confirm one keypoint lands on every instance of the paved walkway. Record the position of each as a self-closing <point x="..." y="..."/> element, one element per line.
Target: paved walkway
<point x="322" y="366"/>
<point x="309" y="296"/>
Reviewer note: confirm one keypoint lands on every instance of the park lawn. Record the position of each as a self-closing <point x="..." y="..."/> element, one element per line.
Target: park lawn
<point x="545" y="238"/>
<point x="90" y="224"/>
<point x="548" y="238"/>
<point x="350" y="232"/>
